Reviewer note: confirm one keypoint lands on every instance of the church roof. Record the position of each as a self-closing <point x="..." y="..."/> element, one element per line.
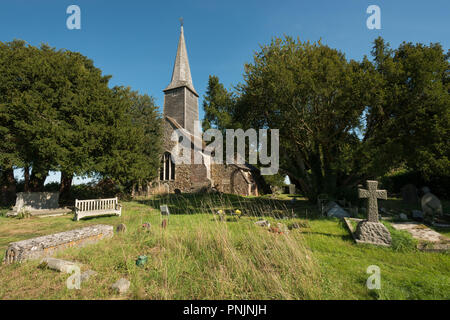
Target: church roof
<point x="187" y="133"/>
<point x="181" y="75"/>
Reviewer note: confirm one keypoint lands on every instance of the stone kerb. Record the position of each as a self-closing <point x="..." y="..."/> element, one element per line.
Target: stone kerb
<point x="46" y="246"/>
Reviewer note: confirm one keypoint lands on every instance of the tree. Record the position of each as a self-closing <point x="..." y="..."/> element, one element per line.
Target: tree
<point x="133" y="144"/>
<point x="409" y="119"/>
<point x="58" y="113"/>
<point x="316" y="98"/>
<point x="219" y="105"/>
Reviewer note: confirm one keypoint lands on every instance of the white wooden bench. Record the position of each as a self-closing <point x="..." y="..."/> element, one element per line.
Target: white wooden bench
<point x="96" y="207"/>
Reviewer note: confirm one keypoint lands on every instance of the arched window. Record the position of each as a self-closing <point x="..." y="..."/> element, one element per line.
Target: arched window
<point x="167" y="168"/>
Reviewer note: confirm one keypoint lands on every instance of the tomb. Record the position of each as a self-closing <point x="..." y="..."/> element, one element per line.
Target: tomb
<point x="38" y="204"/>
<point x="46" y="246"/>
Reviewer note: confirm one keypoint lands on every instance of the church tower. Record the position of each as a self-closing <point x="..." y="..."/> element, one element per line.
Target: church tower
<point x="180" y="97"/>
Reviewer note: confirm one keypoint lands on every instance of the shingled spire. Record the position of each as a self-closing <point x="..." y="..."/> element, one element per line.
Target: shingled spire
<point x="180" y="97"/>
<point x="181" y="75"/>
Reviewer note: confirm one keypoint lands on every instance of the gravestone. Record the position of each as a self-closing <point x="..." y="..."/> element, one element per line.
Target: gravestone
<point x="59" y="264"/>
<point x="263" y="223"/>
<point x="164" y="210"/>
<point x="121" y="228"/>
<point x="46" y="246"/>
<point x="38" y="203"/>
<point x="417" y="215"/>
<point x="409" y="194"/>
<point x="431" y="205"/>
<point x="121" y="286"/>
<point x="292" y="189"/>
<point x="334" y="210"/>
<point x="371" y="230"/>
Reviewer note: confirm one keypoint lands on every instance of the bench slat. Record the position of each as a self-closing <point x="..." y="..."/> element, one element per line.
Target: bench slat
<point x="94" y="207"/>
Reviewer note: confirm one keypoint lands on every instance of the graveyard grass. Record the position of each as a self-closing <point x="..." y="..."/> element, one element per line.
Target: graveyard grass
<point x="200" y="257"/>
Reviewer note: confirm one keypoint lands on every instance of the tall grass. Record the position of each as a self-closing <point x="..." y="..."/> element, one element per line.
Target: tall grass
<point x="197" y="256"/>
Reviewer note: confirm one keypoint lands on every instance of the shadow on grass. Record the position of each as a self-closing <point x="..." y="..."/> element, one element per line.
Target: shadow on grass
<point x="210" y="203"/>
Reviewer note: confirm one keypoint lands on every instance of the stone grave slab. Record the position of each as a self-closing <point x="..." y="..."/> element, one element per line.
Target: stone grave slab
<point x="46" y="246"/>
<point x="38" y="204"/>
<point x="429" y="239"/>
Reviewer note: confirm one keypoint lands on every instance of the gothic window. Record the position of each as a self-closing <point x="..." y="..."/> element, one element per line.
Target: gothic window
<point x="167" y="168"/>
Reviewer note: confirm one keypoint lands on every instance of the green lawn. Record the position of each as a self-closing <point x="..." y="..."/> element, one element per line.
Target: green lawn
<point x="199" y="257"/>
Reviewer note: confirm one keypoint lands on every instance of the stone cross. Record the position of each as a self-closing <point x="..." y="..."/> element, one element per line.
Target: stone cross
<point x="372" y="194"/>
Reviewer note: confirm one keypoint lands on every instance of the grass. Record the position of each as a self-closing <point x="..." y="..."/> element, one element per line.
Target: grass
<point x="200" y="257"/>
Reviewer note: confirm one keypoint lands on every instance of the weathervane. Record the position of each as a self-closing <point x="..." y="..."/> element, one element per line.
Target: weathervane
<point x="181" y="21"/>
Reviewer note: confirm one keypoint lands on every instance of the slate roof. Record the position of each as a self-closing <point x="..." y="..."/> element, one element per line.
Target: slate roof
<point x="181" y="75"/>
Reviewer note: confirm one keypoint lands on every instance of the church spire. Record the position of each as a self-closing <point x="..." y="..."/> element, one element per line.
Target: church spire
<point x="181" y="75"/>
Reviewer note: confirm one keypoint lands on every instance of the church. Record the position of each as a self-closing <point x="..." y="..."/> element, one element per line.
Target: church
<point x="180" y="112"/>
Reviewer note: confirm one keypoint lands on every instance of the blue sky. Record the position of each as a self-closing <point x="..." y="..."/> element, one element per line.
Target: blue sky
<point x="135" y="40"/>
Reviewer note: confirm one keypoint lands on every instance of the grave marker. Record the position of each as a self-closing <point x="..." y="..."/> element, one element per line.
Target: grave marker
<point x="164" y="210"/>
<point x="371" y="230"/>
<point x="372" y="195"/>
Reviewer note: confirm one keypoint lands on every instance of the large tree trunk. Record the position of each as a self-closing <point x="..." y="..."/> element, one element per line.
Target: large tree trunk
<point x="26" y="175"/>
<point x="65" y="185"/>
<point x="37" y="179"/>
<point x="8" y="187"/>
<point x="133" y="190"/>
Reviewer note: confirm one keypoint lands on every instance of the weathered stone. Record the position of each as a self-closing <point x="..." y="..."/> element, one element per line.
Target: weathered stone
<point x="121" y="228"/>
<point x="38" y="203"/>
<point x="263" y="223"/>
<point x="417" y="214"/>
<point x="409" y="194"/>
<point x="372" y="194"/>
<point x="334" y="210"/>
<point x="121" y="286"/>
<point x="403" y="216"/>
<point x="431" y="205"/>
<point x="373" y="232"/>
<point x="37" y="200"/>
<point x="87" y="274"/>
<point x="46" y="246"/>
<point x="429" y="240"/>
<point x="292" y="189"/>
<point x="59" y="265"/>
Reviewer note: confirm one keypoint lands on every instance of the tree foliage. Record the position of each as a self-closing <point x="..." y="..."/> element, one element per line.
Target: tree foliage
<point x="409" y="120"/>
<point x="315" y="97"/>
<point x="58" y="113"/>
<point x="343" y="121"/>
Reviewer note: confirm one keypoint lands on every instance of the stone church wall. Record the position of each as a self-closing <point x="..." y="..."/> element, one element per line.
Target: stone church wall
<point x="229" y="179"/>
<point x="192" y="178"/>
